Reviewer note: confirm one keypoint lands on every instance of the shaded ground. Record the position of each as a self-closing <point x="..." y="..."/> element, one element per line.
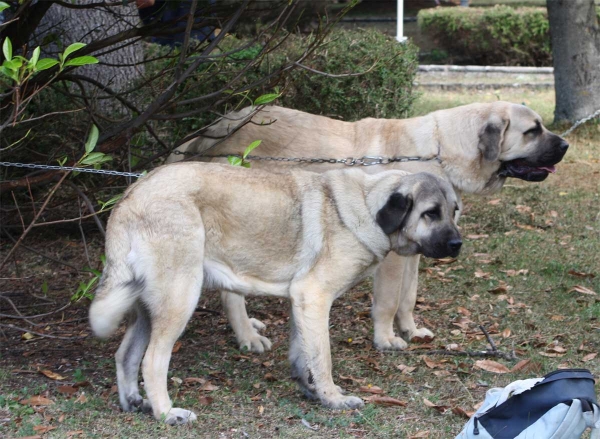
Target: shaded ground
<point x="525" y="251"/>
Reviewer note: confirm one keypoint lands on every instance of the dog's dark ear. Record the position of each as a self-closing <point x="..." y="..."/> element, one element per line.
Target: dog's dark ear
<point x="490" y="138"/>
<point x="391" y="216"/>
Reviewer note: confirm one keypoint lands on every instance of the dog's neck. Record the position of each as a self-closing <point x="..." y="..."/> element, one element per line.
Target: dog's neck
<point x="355" y="210"/>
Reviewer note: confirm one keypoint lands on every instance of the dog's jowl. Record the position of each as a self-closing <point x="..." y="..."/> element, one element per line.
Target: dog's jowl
<point x="191" y="225"/>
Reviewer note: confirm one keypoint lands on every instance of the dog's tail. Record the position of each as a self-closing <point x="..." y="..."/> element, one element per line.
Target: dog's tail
<point x="119" y="287"/>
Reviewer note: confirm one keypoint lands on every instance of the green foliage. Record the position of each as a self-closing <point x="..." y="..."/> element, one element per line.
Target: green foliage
<point x="385" y="91"/>
<point x="241" y="161"/>
<point x="501" y="35"/>
<point x="19" y="69"/>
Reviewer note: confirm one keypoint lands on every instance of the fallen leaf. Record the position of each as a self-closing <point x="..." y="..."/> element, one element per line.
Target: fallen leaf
<point x="192" y="380"/>
<point x="67" y="390"/>
<point x="583" y="290"/>
<point x="420" y="435"/>
<point x="551" y="354"/>
<point x="556" y="349"/>
<point x="500" y="288"/>
<point x="269" y="377"/>
<point x="385" y="400"/>
<point x="480" y="274"/>
<point x="82" y="399"/>
<point x="432" y="364"/>
<point x="494" y="202"/>
<point x="52" y="375"/>
<point x="27" y="336"/>
<point x="589" y="357"/>
<point x="406" y="369"/>
<point x="261" y="409"/>
<point x="61" y="418"/>
<point x="444" y="261"/>
<point x="491" y="366"/>
<point x="463" y="311"/>
<point x="506" y="333"/>
<point x="74" y="433"/>
<point x="176" y="347"/>
<point x="520" y="365"/>
<point x="439" y="408"/>
<point x="512" y="273"/>
<point x="205" y="400"/>
<point x="351" y="379"/>
<point x="462" y="412"/>
<point x="36" y="400"/>
<point x="371" y="389"/>
<point x="482" y="236"/>
<point x="43" y="428"/>
<point x="441" y="373"/>
<point x="580" y="274"/>
<point x="208" y="387"/>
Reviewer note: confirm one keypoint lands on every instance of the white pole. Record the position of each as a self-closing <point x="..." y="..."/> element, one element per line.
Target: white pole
<point x="400" y="22"/>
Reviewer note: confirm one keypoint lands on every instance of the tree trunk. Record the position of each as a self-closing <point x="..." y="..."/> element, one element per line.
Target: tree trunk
<point x="118" y="68"/>
<point x="575" y="37"/>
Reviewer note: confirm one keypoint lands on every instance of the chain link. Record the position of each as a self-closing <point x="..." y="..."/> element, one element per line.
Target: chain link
<point x="367" y="160"/>
<point x="581" y="122"/>
<point x="69" y="168"/>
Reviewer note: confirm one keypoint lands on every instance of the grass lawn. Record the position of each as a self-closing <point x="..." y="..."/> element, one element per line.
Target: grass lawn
<point x="525" y="251"/>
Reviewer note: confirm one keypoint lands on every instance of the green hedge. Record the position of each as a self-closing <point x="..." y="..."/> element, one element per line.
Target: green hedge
<point x="385" y="91"/>
<point x="501" y="35"/>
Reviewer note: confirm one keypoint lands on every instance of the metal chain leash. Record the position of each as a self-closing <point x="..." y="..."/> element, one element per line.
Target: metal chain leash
<point x="366" y="160"/>
<point x="70" y="168"/>
<point x="581" y="122"/>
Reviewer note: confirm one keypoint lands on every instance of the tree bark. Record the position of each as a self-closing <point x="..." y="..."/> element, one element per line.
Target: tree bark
<point x="118" y="68"/>
<point x="575" y="37"/>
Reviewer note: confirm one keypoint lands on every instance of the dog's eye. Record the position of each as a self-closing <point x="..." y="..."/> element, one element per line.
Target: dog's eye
<point x="432" y="214"/>
<point x="537" y="129"/>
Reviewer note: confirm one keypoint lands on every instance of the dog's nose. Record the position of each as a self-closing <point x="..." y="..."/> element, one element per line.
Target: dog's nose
<point x="455" y="245"/>
<point x="563" y="146"/>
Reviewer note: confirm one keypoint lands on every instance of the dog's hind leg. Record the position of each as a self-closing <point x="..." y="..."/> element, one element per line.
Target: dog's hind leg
<point x="129" y="357"/>
<point x="245" y="328"/>
<point x="169" y="318"/>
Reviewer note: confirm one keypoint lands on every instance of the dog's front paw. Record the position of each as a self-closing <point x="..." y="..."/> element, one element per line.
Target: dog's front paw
<point x="178" y="416"/>
<point x="421" y="334"/>
<point x="390" y="344"/>
<point x="255" y="343"/>
<point x="342" y="402"/>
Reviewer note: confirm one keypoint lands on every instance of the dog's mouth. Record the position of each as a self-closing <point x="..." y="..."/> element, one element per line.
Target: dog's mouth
<point x="519" y="168"/>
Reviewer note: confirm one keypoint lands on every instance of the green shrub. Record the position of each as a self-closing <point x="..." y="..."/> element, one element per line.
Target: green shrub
<point x="386" y="90"/>
<point x="501" y="35"/>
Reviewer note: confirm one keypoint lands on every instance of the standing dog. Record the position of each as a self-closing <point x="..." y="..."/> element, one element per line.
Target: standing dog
<point x="297" y="234"/>
<point x="475" y="147"/>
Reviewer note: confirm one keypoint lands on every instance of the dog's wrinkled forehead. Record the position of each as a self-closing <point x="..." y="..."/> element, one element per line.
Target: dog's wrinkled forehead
<point x="523" y="118"/>
<point x="429" y="188"/>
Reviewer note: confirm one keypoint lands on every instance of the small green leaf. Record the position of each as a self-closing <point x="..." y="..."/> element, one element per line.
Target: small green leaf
<point x="251" y="147"/>
<point x="45" y="63"/>
<point x="246" y="164"/>
<point x="95" y="158"/>
<point x="81" y="61"/>
<point x="7" y="49"/>
<point x="108" y="203"/>
<point x="13" y="64"/>
<point x="62" y="161"/>
<point x="265" y="99"/>
<point x="92" y="139"/>
<point x="35" y="56"/>
<point x="234" y="161"/>
<point x="72" y="48"/>
<point x="45" y="287"/>
<point x="10" y="73"/>
<point x="103" y="257"/>
<point x="4" y="6"/>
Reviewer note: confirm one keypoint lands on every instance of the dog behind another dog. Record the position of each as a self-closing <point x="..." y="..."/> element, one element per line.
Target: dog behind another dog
<point x="296" y="234"/>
